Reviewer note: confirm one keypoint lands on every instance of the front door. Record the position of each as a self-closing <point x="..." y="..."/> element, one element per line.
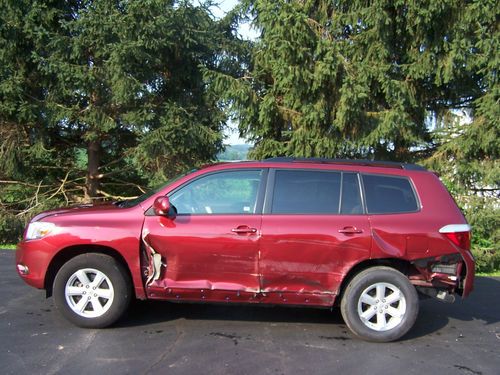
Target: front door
<point x="212" y="243"/>
<point x="313" y="231"/>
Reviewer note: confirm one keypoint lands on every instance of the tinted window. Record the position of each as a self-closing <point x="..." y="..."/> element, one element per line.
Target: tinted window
<point x="351" y="197"/>
<point x="306" y="192"/>
<point x="232" y="192"/>
<point x="386" y="194"/>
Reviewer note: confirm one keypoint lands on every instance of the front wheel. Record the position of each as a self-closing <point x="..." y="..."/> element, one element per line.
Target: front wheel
<point x="92" y="290"/>
<point x="380" y="304"/>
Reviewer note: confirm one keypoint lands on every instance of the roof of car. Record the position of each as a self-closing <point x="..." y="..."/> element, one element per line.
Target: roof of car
<point x="361" y="162"/>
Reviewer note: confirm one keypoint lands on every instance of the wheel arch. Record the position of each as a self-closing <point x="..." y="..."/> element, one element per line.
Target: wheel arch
<point x="70" y="252"/>
<point x="401" y="265"/>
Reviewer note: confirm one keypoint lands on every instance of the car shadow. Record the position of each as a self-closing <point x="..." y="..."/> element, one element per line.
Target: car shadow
<point x="148" y="312"/>
<point x="480" y="305"/>
<point x="434" y="315"/>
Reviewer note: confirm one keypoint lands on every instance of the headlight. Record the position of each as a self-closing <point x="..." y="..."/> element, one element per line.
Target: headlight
<point x="39" y="229"/>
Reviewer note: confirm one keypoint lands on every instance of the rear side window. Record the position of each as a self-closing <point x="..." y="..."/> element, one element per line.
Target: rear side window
<point x="306" y="192"/>
<point x="387" y="194"/>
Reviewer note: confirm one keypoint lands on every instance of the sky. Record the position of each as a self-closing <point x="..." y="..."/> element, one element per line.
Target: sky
<point x="247" y="32"/>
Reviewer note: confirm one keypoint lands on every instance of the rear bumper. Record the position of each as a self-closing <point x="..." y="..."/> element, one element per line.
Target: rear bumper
<point x="453" y="273"/>
<point x="467" y="277"/>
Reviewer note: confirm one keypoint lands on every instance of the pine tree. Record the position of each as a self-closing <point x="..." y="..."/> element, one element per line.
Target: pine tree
<point x="356" y="78"/>
<point x="127" y="79"/>
<point x="23" y="122"/>
<point x="116" y="88"/>
<point x="467" y="152"/>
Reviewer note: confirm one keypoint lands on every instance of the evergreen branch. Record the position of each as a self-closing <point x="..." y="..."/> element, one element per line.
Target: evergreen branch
<point x="289" y="110"/>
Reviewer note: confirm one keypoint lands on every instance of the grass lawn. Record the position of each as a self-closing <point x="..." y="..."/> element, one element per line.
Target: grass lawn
<point x="9" y="246"/>
<point x="494" y="273"/>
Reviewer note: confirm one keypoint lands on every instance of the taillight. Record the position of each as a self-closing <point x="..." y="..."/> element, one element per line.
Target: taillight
<point x="459" y="234"/>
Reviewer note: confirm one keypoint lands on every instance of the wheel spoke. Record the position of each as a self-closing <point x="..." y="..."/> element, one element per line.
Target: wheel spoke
<point x="81" y="305"/>
<point x="395" y="313"/>
<point x="381" y="321"/>
<point x="368" y="314"/>
<point x="81" y="275"/>
<point x="380" y="292"/>
<point x="74" y="291"/>
<point x="104" y="293"/>
<point x="369" y="300"/>
<point x="96" y="305"/>
<point x="99" y="278"/>
<point x="393" y="297"/>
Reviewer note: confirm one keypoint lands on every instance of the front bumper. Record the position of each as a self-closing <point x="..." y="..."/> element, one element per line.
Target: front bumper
<point x="32" y="260"/>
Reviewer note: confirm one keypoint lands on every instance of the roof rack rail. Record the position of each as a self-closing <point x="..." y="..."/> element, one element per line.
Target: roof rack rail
<point x="363" y="162"/>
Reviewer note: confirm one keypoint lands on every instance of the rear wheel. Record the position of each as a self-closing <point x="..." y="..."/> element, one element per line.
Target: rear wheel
<point x="380" y="304"/>
<point x="92" y="290"/>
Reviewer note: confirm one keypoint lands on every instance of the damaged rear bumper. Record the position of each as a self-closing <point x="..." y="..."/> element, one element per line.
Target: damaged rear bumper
<point x="445" y="275"/>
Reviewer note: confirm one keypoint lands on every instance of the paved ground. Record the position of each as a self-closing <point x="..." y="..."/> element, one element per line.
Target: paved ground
<point x="156" y="338"/>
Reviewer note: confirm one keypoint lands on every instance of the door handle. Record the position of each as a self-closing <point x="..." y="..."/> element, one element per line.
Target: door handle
<point x="243" y="230"/>
<point x="350" y="230"/>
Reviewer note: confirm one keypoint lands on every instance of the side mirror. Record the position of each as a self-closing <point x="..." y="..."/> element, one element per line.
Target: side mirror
<point x="161" y="206"/>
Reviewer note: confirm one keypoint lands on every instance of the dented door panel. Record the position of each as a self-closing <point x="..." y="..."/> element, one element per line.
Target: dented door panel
<point x="202" y="252"/>
<point x="308" y="254"/>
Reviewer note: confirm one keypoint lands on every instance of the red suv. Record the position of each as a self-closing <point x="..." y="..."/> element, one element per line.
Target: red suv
<point x="311" y="232"/>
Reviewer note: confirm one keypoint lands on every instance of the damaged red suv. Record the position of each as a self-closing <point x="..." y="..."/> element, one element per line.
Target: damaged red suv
<point x="367" y="236"/>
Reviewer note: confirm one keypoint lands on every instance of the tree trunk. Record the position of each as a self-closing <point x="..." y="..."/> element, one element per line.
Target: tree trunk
<point x="93" y="178"/>
<point x="400" y="151"/>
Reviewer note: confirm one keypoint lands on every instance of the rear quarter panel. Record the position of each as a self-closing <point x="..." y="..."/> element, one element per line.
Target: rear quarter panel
<point x="416" y="235"/>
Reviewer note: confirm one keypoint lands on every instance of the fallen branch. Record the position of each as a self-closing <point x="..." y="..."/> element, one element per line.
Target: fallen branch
<point x="22" y="183"/>
<point x="115" y="197"/>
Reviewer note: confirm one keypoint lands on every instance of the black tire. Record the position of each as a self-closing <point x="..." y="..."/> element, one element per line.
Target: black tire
<point x="381" y="327"/>
<point x="116" y="288"/>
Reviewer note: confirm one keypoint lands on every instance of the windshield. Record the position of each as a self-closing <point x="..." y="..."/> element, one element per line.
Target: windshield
<point x="142" y="198"/>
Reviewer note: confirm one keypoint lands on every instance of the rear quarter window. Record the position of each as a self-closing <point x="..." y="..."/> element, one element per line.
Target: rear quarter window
<point x="389" y="194"/>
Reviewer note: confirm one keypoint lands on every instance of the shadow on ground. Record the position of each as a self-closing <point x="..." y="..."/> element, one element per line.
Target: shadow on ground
<point x="433" y="316"/>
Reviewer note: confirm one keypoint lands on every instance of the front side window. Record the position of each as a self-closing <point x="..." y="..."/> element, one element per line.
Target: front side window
<point x="306" y="192"/>
<point x="388" y="194"/>
<point x="230" y="192"/>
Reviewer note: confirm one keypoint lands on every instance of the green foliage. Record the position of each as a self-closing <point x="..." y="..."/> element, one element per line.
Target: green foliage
<point x="21" y="201"/>
<point x="112" y="79"/>
<point x="100" y="99"/>
<point x="383" y="80"/>
<point x="362" y="79"/>
<point x="487" y="259"/>
<point x="484" y="219"/>
<point x="128" y="80"/>
<point x="11" y="228"/>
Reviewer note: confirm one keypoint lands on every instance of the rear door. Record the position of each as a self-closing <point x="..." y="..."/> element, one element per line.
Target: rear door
<point x="313" y="230"/>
